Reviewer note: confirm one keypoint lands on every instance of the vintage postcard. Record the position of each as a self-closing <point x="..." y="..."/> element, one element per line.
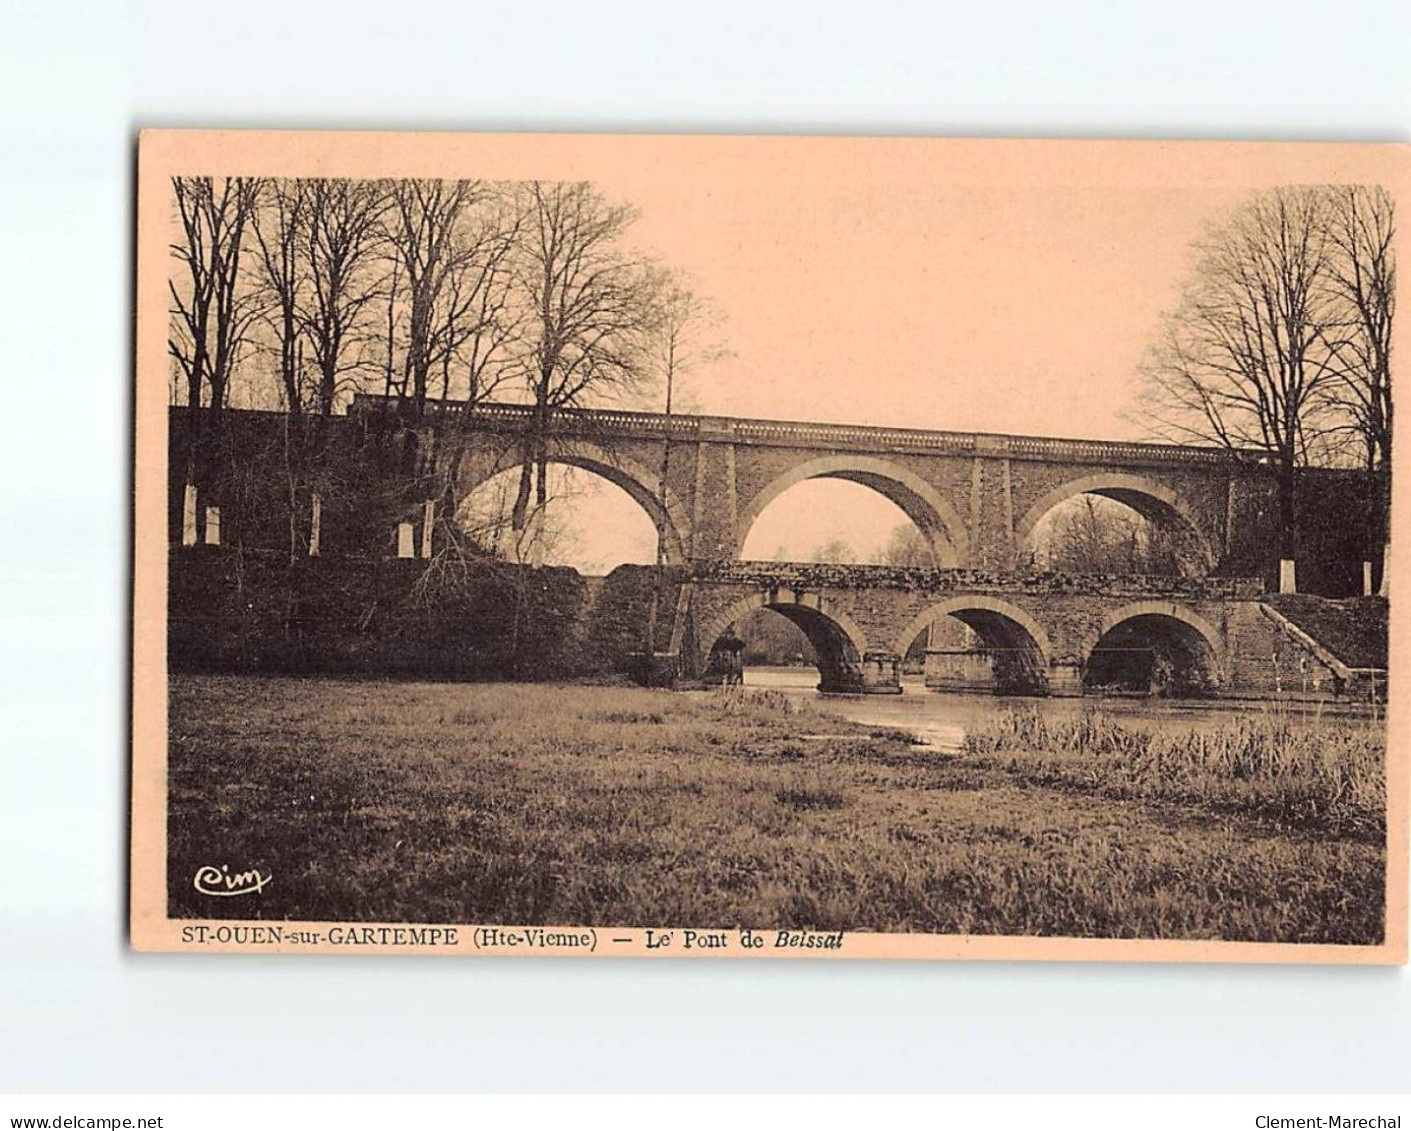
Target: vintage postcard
<point x="768" y="547"/>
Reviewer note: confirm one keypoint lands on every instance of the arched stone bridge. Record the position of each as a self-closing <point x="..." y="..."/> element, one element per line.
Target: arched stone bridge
<point x="1048" y="634"/>
<point x="987" y="617"/>
<point x="978" y="498"/>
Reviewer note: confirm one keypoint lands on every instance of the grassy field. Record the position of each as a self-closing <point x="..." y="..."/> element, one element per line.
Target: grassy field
<point x="534" y="804"/>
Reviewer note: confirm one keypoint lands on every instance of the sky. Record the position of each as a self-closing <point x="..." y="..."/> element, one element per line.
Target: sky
<point x="972" y="285"/>
<point x="891" y="297"/>
<point x="597" y="525"/>
<point x="889" y="293"/>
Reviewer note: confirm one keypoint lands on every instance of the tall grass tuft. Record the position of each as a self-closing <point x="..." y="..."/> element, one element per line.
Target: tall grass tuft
<point x="1315" y="777"/>
<point x="762" y="705"/>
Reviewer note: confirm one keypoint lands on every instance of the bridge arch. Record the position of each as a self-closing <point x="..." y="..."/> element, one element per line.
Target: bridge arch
<point x="1153" y="501"/>
<point x="981" y="609"/>
<point x="933" y="515"/>
<point x="1147" y="644"/>
<point x="839" y="643"/>
<point x="619" y="470"/>
<point x="1015" y="647"/>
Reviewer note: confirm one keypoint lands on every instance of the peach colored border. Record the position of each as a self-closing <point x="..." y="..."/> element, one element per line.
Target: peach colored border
<point x="164" y="153"/>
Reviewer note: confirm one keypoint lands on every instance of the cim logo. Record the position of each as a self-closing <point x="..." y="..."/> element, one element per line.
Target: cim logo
<point x="211" y="880"/>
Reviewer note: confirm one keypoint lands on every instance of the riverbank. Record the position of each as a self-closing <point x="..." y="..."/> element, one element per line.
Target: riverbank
<point x="537" y="804"/>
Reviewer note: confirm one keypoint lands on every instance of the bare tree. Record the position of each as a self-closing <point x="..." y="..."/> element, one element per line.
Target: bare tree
<point x="547" y="537"/>
<point x="774" y="640"/>
<point x="344" y="243"/>
<point x="278" y="222"/>
<point x="452" y="325"/>
<point x="684" y="335"/>
<point x="474" y="322"/>
<point x="474" y="325"/>
<point x="212" y="303"/>
<point x="425" y="217"/>
<point x="907" y="547"/>
<point x="588" y="312"/>
<point x="835" y="551"/>
<point x="318" y="272"/>
<point x="1092" y="534"/>
<point x="1362" y="228"/>
<point x="1244" y="360"/>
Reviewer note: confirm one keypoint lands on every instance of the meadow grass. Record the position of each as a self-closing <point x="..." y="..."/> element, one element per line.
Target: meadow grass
<point x="1273" y="764"/>
<point x="566" y="805"/>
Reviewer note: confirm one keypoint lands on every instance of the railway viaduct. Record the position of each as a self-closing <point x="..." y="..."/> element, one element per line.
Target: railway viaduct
<point x="978" y="499"/>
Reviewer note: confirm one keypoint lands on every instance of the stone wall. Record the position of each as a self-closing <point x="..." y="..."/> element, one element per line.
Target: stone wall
<point x="233" y="610"/>
<point x="818" y="575"/>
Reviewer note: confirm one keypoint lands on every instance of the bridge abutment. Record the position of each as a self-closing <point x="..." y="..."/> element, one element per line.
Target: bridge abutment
<point x="1065" y="678"/>
<point x="881" y="673"/>
<point x="877" y="673"/>
<point x="714" y="495"/>
<point x="960" y="669"/>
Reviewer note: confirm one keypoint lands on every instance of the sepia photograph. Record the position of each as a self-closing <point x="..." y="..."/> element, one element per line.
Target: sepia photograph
<point x="842" y="562"/>
<point x="772" y="547"/>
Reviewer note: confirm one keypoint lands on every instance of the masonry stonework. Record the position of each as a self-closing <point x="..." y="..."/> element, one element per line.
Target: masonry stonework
<point x="704" y="480"/>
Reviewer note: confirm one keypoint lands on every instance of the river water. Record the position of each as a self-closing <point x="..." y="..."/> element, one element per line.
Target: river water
<point x="941" y="720"/>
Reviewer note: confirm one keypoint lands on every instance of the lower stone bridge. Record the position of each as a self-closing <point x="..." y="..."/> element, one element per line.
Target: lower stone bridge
<point x="1041" y="633"/>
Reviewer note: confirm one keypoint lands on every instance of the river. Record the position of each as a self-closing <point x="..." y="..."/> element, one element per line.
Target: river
<point x="941" y="720"/>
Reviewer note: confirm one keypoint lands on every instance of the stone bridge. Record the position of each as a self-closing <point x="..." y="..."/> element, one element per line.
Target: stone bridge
<point x="978" y="498"/>
<point x="988" y="618"/>
<point x="1051" y="634"/>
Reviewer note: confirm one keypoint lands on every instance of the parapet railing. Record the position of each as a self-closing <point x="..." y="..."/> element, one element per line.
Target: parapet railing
<point x="794" y="433"/>
<point x="812" y="576"/>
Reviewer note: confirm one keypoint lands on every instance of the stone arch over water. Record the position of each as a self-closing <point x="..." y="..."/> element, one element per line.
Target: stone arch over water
<point x="839" y="644"/>
<point x="1154" y="647"/>
<point x="1014" y="652"/>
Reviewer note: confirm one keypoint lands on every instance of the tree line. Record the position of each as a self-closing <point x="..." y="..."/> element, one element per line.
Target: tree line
<point x="1280" y="344"/>
<point x="296" y="294"/>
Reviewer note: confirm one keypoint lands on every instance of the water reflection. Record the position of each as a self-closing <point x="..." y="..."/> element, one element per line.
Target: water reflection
<point x="941" y="720"/>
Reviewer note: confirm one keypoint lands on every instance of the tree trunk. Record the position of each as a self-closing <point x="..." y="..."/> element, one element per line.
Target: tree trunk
<point x="289" y="362"/>
<point x="1286" y="486"/>
<point x="521" y="499"/>
<point x="326" y="386"/>
<point x="541" y="441"/>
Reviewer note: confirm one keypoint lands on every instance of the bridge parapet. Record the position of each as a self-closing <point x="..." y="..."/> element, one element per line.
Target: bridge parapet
<point x="808" y="434"/>
<point x="811" y="576"/>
